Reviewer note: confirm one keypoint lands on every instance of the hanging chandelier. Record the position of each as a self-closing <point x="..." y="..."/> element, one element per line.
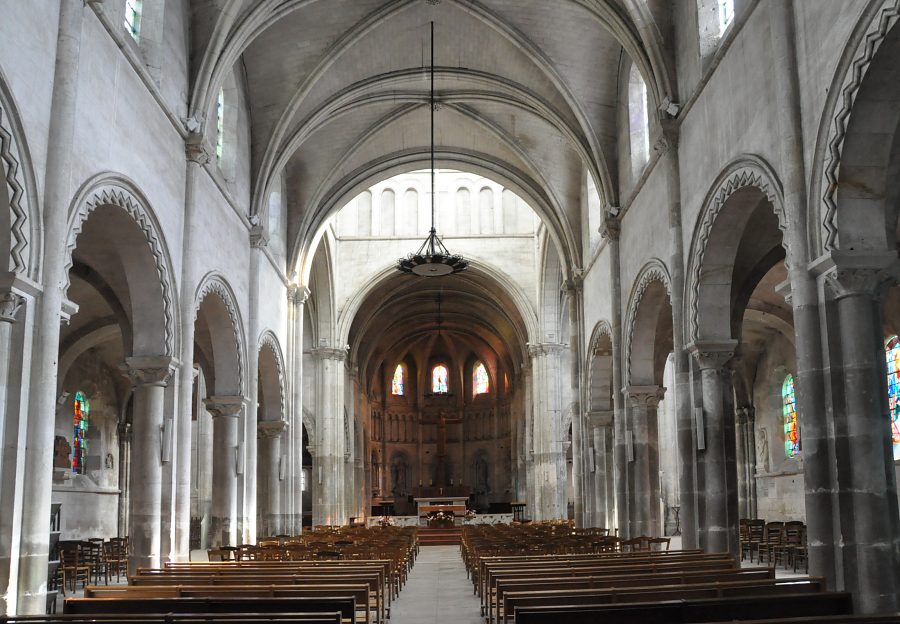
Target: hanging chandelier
<point x="433" y="259"/>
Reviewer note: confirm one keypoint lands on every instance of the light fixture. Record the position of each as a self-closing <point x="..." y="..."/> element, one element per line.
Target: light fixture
<point x="433" y="259"/>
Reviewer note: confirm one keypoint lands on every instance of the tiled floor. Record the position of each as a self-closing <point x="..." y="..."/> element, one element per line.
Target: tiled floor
<point x="437" y="590"/>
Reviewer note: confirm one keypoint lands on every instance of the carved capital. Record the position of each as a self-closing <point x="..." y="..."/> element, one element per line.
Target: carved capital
<point x="545" y="348"/>
<point x="150" y="371"/>
<point x="10" y="303"/>
<point x="644" y="396"/>
<point x="855" y="282"/>
<point x="610" y="228"/>
<point x="575" y="284"/>
<point x="713" y="354"/>
<point x="270" y="429"/>
<point x="298" y="295"/>
<point x="196" y="150"/>
<point x="258" y="237"/>
<point x="667" y="137"/>
<point x="224" y="406"/>
<point x="330" y="353"/>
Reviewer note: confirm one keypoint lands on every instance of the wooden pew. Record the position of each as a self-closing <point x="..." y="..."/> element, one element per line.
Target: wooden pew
<point x="360" y="593"/>
<point x="120" y="606"/>
<point x="622" y="582"/>
<point x="893" y="618"/>
<point x="172" y="618"/>
<point x="612" y="595"/>
<point x="695" y="611"/>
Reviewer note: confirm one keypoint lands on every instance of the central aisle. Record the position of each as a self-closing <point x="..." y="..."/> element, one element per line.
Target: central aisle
<point x="437" y="590"/>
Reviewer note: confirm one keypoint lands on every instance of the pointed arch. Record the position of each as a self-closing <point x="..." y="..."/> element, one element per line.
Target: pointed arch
<point x="269" y="342"/>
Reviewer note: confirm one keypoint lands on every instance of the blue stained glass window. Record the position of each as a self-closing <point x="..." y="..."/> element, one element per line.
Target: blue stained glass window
<point x="398" y="381"/>
<point x="892" y="354"/>
<point x="789" y="410"/>
<point x="440" y="377"/>
<point x="82" y="410"/>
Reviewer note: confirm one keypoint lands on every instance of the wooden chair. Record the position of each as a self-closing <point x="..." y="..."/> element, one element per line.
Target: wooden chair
<point x="755" y="533"/>
<point x="774" y="533"/>
<point x="115" y="554"/>
<point x="801" y="551"/>
<point x="791" y="538"/>
<point x="71" y="568"/>
<point x="659" y="543"/>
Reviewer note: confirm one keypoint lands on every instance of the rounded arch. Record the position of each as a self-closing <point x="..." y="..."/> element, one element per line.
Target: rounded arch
<point x="370" y="174"/>
<point x="599" y="368"/>
<point x="719" y="230"/>
<point x="216" y="303"/>
<point x="271" y="375"/>
<point x="20" y="217"/>
<point x="839" y="176"/>
<point x="155" y="310"/>
<point x="649" y="298"/>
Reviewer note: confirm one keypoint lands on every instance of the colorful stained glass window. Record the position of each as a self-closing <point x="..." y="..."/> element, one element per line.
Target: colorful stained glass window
<point x="480" y="383"/>
<point x="789" y="410"/>
<point x="892" y="353"/>
<point x="80" y="421"/>
<point x="398" y="381"/>
<point x="220" y="123"/>
<point x="133" y="17"/>
<point x="440" y="377"/>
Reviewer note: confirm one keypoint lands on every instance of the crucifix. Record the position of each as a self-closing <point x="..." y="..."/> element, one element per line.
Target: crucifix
<point x="442" y="420"/>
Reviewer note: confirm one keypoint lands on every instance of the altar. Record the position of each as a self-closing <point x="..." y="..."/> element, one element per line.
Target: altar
<point x="450" y="504"/>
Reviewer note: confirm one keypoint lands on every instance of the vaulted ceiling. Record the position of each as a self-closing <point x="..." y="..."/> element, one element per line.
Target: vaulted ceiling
<point x="338" y="94"/>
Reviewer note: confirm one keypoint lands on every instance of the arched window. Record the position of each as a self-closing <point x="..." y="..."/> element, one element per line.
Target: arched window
<point x="397" y="385"/>
<point x="480" y="383"/>
<point x="892" y="353"/>
<point x="220" y="123"/>
<point x="638" y="125"/>
<point x="440" y="379"/>
<point x="133" y="17"/>
<point x="82" y="410"/>
<point x="789" y="410"/>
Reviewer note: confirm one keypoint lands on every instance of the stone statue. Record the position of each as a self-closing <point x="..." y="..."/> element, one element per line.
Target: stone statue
<point x="481" y="474"/>
<point x="762" y="450"/>
<point x="61" y="452"/>
<point x="398" y="478"/>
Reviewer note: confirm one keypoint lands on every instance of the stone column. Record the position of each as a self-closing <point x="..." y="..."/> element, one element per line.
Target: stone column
<point x="258" y="241"/>
<point x="297" y="297"/>
<point x="751" y="460"/>
<point x="582" y="495"/>
<point x="549" y="459"/>
<point x="711" y="358"/>
<point x="863" y="440"/>
<point x="150" y="376"/>
<point x="38" y="472"/>
<point x="125" y="438"/>
<point x="9" y="305"/>
<point x="644" y="400"/>
<point x="743" y="477"/>
<point x="225" y="412"/>
<point x="601" y="426"/>
<point x="610" y="229"/>
<point x="196" y="157"/>
<point x="269" y="433"/>
<point x="329" y="477"/>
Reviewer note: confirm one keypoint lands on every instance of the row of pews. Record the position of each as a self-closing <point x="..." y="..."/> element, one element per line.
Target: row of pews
<point x="635" y="587"/>
<point x="319" y="590"/>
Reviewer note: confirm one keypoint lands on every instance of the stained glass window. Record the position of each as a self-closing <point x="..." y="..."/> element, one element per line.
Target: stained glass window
<point x="220" y="123"/>
<point x="440" y="379"/>
<point x="133" y="17"/>
<point x="80" y="421"/>
<point x="398" y="381"/>
<point x="789" y="410"/>
<point x="892" y="353"/>
<point x="480" y="383"/>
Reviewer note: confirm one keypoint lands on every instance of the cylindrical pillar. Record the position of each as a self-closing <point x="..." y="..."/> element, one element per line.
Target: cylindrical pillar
<point x="125" y="438"/>
<point x="269" y="504"/>
<point x="150" y="376"/>
<point x="223" y="514"/>
<point x="329" y="469"/>
<point x="712" y="358"/>
<point x="645" y="515"/>
<point x="38" y="472"/>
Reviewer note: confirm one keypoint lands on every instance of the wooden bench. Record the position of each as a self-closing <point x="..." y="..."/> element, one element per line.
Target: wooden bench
<point x="172" y="618"/>
<point x="614" y="595"/>
<point x="696" y="611"/>
<point x="120" y="606"/>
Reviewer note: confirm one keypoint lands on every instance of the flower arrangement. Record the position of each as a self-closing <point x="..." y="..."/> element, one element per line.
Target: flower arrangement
<point x="385" y="521"/>
<point x="439" y="516"/>
<point x="470" y="514"/>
